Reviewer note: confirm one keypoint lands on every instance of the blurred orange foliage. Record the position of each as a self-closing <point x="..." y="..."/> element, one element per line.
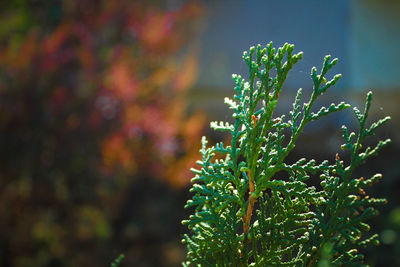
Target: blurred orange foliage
<point x="92" y="98"/>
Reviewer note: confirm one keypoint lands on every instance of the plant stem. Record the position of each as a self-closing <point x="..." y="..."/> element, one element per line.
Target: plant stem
<point x="252" y="200"/>
<point x="247" y="218"/>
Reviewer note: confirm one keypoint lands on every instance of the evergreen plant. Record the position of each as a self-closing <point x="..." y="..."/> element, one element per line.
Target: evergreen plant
<point x="252" y="207"/>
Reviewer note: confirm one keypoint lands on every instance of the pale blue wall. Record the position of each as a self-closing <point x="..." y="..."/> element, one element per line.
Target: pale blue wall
<point x="363" y="34"/>
<point x="316" y="27"/>
<point x="374" y="48"/>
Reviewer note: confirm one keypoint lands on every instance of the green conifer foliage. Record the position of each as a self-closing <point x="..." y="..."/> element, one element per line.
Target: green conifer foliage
<point x="247" y="215"/>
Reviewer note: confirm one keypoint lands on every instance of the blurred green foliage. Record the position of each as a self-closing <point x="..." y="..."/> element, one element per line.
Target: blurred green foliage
<point x="92" y="100"/>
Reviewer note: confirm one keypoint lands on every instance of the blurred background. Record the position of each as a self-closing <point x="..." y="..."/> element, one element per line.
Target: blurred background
<point x="103" y="103"/>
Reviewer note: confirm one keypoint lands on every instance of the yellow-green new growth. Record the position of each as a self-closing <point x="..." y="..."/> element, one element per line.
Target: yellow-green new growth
<point x="245" y="215"/>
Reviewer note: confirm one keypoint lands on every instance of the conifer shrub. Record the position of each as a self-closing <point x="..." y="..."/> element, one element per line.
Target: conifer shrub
<point x="254" y="208"/>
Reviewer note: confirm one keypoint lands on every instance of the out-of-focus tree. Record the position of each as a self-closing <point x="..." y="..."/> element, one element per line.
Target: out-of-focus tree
<point x="92" y="98"/>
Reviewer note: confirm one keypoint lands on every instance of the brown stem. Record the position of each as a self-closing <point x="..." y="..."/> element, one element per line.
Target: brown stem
<point x="252" y="200"/>
<point x="311" y="262"/>
<point x="247" y="218"/>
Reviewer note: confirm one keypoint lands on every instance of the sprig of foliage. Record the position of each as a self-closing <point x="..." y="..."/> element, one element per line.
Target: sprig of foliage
<point x="118" y="261"/>
<point x="247" y="215"/>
